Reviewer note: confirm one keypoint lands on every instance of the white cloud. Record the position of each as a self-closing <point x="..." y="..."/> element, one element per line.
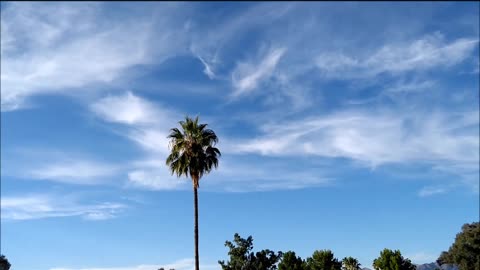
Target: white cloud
<point x="349" y="55"/>
<point x="126" y="109"/>
<point x="151" y="139"/>
<point x="147" y="123"/>
<point x="246" y="175"/>
<point x="375" y="138"/>
<point x="184" y="264"/>
<point x="467" y="170"/>
<point x="42" y="206"/>
<point x="152" y="174"/>
<point x="371" y="136"/>
<point x="430" y="191"/>
<point x="59" y="166"/>
<point x="429" y="52"/>
<point x="247" y="76"/>
<point x="209" y="42"/>
<point x="208" y="68"/>
<point x="412" y="86"/>
<point x="73" y="51"/>
<point x="72" y="171"/>
<point x="155" y="179"/>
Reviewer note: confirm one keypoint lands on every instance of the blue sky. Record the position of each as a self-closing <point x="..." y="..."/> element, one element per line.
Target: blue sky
<point x="343" y="126"/>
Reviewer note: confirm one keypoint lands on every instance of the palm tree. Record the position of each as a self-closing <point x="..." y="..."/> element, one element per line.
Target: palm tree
<point x="193" y="154"/>
<point x="350" y="263"/>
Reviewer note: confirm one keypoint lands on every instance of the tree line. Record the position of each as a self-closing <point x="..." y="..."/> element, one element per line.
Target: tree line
<point x="243" y="258"/>
<point x="464" y="253"/>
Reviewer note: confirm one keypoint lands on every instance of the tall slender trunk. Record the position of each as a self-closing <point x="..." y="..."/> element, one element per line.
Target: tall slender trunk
<point x="197" y="264"/>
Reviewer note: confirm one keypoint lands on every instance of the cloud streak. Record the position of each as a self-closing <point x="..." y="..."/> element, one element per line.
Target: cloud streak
<point x="430" y="191"/>
<point x="155" y="179"/>
<point x="41" y="206"/>
<point x="364" y="135"/>
<point x="76" y="50"/>
<point x="374" y="138"/>
<point x="73" y="172"/>
<point x="58" y="166"/>
<point x="247" y="76"/>
<point x="208" y="68"/>
<point x="431" y="51"/>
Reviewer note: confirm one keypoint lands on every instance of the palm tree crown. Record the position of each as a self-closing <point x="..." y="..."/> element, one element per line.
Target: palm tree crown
<point x="193" y="151"/>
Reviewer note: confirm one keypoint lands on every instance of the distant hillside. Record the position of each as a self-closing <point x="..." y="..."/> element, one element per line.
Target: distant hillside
<point x="429" y="266"/>
<point x="433" y="266"/>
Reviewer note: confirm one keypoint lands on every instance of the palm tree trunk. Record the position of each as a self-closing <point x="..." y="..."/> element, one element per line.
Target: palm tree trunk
<point x="197" y="264"/>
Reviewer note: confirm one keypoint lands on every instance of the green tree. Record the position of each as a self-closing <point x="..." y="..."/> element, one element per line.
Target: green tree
<point x="465" y="251"/>
<point x="264" y="260"/>
<point x="193" y="154"/>
<point x="323" y="260"/>
<point x="350" y="263"/>
<point x="242" y="257"/>
<point x="392" y="260"/>
<point x="4" y="264"/>
<point x="290" y="261"/>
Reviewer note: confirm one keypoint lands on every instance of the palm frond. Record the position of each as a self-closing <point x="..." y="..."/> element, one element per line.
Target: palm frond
<point x="192" y="150"/>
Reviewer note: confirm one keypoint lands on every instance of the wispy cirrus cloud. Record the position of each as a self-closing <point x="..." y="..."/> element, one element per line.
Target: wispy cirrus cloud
<point x="267" y="175"/>
<point x="375" y="138"/>
<point x="208" y="70"/>
<point x="151" y="173"/>
<point x="290" y="79"/>
<point x="432" y="190"/>
<point x="212" y="44"/>
<point x="362" y="135"/>
<point x="247" y="76"/>
<point x="431" y="51"/>
<point x="146" y="123"/>
<point x="45" y="206"/>
<point x="155" y="179"/>
<point x="73" y="171"/>
<point x="411" y="86"/>
<point x="151" y="139"/>
<point x="58" y="166"/>
<point x="76" y="50"/>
